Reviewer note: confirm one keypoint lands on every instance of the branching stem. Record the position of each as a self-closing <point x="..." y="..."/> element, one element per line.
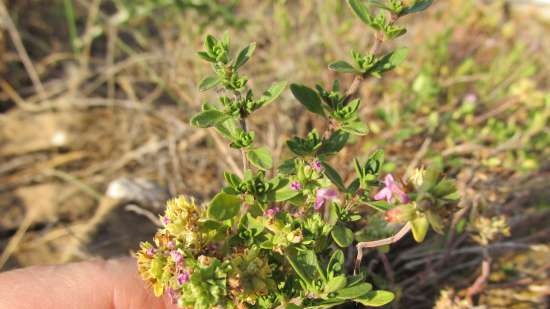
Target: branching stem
<point x="377" y="243"/>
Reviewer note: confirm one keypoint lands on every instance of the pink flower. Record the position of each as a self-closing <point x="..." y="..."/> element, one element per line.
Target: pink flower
<point x="183" y="277"/>
<point x="171" y="245"/>
<point x="165" y="220"/>
<point x="391" y="188"/>
<point x="296" y="186"/>
<point x="177" y="257"/>
<point x="173" y="295"/>
<point x="316" y="165"/>
<point x="271" y="212"/>
<point x="150" y="252"/>
<point x="323" y="195"/>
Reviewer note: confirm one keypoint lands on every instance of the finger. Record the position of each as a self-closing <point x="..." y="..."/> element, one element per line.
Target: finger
<point x="96" y="284"/>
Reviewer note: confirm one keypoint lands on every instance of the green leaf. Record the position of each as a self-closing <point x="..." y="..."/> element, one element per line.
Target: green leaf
<point x="285" y="193"/>
<point x="287" y="167"/>
<point x="419" y="5"/>
<point x="273" y="92"/>
<point x="333" y="214"/>
<point x="353" y="292"/>
<point x="342" y="235"/>
<point x="209" y="82"/>
<point x="334" y="144"/>
<point x="392" y="59"/>
<point x="333" y="176"/>
<point x="308" y="98"/>
<point x="420" y="227"/>
<point x="208" y="118"/>
<point x="260" y="158"/>
<point x="354" y="186"/>
<point x="341" y="67"/>
<point x="206" y="56"/>
<point x="335" y="284"/>
<point x="244" y="55"/>
<point x="228" y="128"/>
<point x="436" y="222"/>
<point x="211" y="225"/>
<point x="376" y="298"/>
<point x="336" y="263"/>
<point x="381" y="206"/>
<point x="355" y="127"/>
<point x="361" y="11"/>
<point x="304" y="263"/>
<point x="443" y="188"/>
<point x="224" y="206"/>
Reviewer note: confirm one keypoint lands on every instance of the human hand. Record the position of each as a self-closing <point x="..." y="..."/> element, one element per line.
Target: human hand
<point x="111" y="284"/>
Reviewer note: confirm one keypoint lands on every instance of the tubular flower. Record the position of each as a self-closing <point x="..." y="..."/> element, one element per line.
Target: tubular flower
<point x="316" y="165"/>
<point x="296" y="186"/>
<point x="391" y="188"/>
<point x="323" y="195"/>
<point x="271" y="212"/>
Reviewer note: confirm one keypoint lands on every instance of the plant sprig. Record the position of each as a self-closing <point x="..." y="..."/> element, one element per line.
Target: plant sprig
<point x="277" y="240"/>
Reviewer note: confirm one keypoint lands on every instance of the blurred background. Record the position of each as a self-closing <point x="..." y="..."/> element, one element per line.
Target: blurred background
<point x="95" y="98"/>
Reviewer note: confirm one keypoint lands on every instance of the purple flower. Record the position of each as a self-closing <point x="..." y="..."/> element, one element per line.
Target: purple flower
<point x="173" y="295"/>
<point x="171" y="245"/>
<point x="391" y="188"/>
<point x="471" y="97"/>
<point x="271" y="212"/>
<point x="316" y="165"/>
<point x="323" y="195"/>
<point x="151" y="251"/>
<point x="177" y="257"/>
<point x="183" y="277"/>
<point x="296" y="186"/>
<point x="165" y="220"/>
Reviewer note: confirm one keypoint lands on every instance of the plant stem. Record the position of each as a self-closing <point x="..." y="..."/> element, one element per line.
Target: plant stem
<point x="377" y="243"/>
<point x="243" y="151"/>
<point x="356" y="83"/>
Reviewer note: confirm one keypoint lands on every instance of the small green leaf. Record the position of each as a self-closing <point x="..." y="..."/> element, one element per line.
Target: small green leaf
<point x="244" y="55"/>
<point x="355" y="127"/>
<point x="308" y="98"/>
<point x="288" y="167"/>
<point x="260" y="158"/>
<point x="342" y="235"/>
<point x="420" y="227"/>
<point x="443" y="188"/>
<point x="224" y="206"/>
<point x="334" y="143"/>
<point x="335" y="284"/>
<point x="285" y="193"/>
<point x="208" y="118"/>
<point x="209" y="82"/>
<point x="333" y="214"/>
<point x="206" y="56"/>
<point x="419" y="5"/>
<point x="353" y="292"/>
<point x="391" y="60"/>
<point x="436" y="222"/>
<point x="381" y="206"/>
<point x="336" y="263"/>
<point x="272" y="93"/>
<point x="342" y="67"/>
<point x="361" y="11"/>
<point x="376" y="298"/>
<point x="211" y="225"/>
<point x="333" y="176"/>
